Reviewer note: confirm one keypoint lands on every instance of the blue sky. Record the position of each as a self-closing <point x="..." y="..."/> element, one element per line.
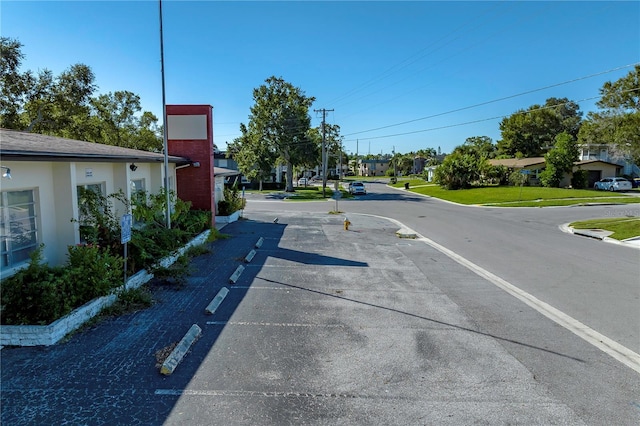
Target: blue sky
<point x="376" y="64"/>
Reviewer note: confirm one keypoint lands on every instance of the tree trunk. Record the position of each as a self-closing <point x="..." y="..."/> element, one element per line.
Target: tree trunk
<point x="289" y="177"/>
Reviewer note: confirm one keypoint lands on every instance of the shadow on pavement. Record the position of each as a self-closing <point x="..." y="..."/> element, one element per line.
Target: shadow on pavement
<point x="107" y="373"/>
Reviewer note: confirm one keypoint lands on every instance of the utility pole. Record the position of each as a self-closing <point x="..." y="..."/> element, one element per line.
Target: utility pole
<point x="357" y="162"/>
<point x="324" y="149"/>
<point x="393" y="160"/>
<point x="165" y="146"/>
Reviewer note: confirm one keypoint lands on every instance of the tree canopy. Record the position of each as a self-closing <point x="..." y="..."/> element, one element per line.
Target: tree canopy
<point x="279" y="129"/>
<point x="618" y="121"/>
<point x="531" y="132"/>
<point x="66" y="105"/>
<point x="559" y="160"/>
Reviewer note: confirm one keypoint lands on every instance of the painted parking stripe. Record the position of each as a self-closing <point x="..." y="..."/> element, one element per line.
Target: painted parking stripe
<point x="602" y="342"/>
<point x="274" y="324"/>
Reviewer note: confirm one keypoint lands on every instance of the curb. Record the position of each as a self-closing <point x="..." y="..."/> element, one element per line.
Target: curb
<point x="176" y="356"/>
<point x="233" y="278"/>
<point x="250" y="256"/>
<point x="215" y="303"/>
<point x="406" y="233"/>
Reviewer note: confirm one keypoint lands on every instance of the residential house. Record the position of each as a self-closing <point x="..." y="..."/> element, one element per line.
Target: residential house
<point x="376" y="167"/>
<point x="603" y="153"/>
<point x="533" y="166"/>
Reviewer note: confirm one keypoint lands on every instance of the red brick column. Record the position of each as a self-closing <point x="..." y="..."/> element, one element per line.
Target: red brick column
<point x="190" y="135"/>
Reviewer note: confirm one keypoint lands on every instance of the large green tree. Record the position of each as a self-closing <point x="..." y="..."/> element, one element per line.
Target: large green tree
<point x="65" y="105"/>
<point x="481" y="146"/>
<point x="559" y="160"/>
<point x="255" y="159"/>
<point x="280" y="121"/>
<point x="618" y="120"/>
<point x="531" y="132"/>
<point x="14" y="85"/>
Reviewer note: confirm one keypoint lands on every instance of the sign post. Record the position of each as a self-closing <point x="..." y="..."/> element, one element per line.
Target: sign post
<point x="125" y="236"/>
<point x="525" y="173"/>
<point x="337" y="195"/>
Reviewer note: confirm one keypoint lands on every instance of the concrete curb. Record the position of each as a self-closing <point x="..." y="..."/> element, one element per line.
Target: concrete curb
<point x="215" y="303"/>
<point x="46" y="335"/>
<point x="250" y="256"/>
<point x="259" y="242"/>
<point x="233" y="278"/>
<point x="176" y="356"/>
<point x="406" y="233"/>
<point x="631" y="242"/>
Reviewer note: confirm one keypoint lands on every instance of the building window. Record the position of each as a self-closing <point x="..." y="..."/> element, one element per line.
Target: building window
<point x="19" y="235"/>
<point x="138" y="195"/>
<point x="137" y="188"/>
<point x="84" y="195"/>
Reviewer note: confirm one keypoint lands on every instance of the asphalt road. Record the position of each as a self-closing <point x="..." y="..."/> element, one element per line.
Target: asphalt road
<point x="595" y="283"/>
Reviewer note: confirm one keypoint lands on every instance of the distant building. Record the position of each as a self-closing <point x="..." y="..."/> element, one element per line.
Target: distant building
<point x="376" y="167"/>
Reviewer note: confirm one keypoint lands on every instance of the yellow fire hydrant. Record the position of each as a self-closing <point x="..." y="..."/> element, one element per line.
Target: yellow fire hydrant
<point x="346" y="224"/>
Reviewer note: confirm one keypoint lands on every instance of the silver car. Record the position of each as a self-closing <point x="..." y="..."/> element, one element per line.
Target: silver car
<point x="613" y="184"/>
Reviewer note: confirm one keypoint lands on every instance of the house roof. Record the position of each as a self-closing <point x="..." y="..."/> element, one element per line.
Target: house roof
<point x="23" y="146"/>
<point x="517" y="163"/>
<point x="578" y="163"/>
<point x="222" y="171"/>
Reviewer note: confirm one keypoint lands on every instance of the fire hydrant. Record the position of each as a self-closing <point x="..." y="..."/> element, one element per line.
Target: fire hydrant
<point x="346" y="224"/>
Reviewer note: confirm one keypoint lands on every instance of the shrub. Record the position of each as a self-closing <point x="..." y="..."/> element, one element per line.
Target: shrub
<point x="580" y="179"/>
<point x="92" y="272"/>
<point x="40" y="294"/>
<point x="517" y="178"/>
<point x="232" y="202"/>
<point x="34" y="295"/>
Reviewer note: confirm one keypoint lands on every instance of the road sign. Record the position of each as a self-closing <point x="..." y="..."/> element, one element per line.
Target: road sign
<point x="125" y="228"/>
<point x="336" y="195"/>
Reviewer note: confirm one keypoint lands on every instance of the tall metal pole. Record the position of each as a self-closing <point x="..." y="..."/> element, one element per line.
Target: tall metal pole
<point x="325" y="154"/>
<point x="165" y="143"/>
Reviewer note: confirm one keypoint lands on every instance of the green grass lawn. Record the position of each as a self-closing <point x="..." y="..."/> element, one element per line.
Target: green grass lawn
<point x="622" y="227"/>
<point x="519" y="197"/>
<point x="311" y="193"/>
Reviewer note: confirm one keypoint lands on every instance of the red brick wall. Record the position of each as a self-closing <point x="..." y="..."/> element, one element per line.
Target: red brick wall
<point x="195" y="184"/>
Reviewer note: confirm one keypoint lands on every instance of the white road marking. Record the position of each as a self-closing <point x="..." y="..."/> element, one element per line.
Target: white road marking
<point x="274" y="324"/>
<point x="602" y="342"/>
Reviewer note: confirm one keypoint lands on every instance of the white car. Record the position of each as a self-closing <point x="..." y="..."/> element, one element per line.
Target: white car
<point x="357" y="188"/>
<point x="303" y="182"/>
<point x="613" y="184"/>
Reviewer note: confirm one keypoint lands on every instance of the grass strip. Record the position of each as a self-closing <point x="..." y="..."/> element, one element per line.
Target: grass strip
<point x="622" y="227"/>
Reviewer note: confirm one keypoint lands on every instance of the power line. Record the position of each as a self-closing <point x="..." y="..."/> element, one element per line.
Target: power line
<point x="494" y="100"/>
<point x="486" y="119"/>
<point x="414" y="57"/>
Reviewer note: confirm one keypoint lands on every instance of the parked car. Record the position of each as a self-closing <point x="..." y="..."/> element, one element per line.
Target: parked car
<point x="303" y="182"/>
<point x="357" y="188"/>
<point x="613" y="184"/>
